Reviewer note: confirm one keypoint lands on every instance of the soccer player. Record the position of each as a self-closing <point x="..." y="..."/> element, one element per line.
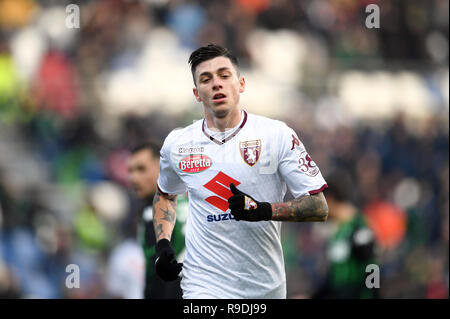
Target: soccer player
<point x="236" y="168"/>
<point x="143" y="166"/>
<point x="350" y="249"/>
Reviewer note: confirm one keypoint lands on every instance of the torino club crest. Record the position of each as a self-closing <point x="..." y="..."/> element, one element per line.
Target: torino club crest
<point x="250" y="151"/>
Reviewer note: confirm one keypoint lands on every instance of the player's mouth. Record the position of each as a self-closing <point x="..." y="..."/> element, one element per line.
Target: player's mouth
<point x="219" y="97"/>
<point x="136" y="188"/>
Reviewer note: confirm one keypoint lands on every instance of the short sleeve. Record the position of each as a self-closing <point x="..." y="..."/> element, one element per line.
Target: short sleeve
<point x="168" y="180"/>
<point x="296" y="167"/>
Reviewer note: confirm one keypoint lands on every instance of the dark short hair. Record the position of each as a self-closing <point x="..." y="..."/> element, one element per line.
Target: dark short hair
<point x="153" y="146"/>
<point x="341" y="186"/>
<point x="209" y="52"/>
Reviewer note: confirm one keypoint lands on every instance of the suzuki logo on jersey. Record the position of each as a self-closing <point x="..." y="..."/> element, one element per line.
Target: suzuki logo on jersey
<point x="195" y="163"/>
<point x="219" y="185"/>
<point x="219" y="217"/>
<point x="250" y="151"/>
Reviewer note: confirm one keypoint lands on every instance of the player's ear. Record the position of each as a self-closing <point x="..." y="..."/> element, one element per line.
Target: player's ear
<point x="241" y="84"/>
<point x="197" y="97"/>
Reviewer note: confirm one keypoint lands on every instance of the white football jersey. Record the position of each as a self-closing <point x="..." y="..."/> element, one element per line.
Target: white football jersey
<point x="226" y="258"/>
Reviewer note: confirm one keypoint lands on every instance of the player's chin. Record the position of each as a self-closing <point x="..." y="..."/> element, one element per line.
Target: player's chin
<point x="139" y="192"/>
<point x="220" y="109"/>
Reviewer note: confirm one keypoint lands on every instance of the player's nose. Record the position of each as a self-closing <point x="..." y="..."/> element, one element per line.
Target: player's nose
<point x="216" y="84"/>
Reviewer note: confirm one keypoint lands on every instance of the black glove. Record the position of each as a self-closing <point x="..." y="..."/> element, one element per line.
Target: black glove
<point x="244" y="207"/>
<point x="166" y="265"/>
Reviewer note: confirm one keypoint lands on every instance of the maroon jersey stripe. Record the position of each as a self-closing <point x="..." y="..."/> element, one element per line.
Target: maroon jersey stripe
<point x="227" y="138"/>
<point x="324" y="187"/>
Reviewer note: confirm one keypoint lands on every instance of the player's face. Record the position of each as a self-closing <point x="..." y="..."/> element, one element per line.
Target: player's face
<point x="143" y="170"/>
<point x="332" y="207"/>
<point x="218" y="86"/>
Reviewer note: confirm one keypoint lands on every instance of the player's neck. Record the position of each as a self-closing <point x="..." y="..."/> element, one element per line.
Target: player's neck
<point x="222" y="124"/>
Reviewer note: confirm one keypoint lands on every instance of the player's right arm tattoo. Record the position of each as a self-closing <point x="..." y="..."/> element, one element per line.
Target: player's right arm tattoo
<point x="307" y="208"/>
<point x="164" y="215"/>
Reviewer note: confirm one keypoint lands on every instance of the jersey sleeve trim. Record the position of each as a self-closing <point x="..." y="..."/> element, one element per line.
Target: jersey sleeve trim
<point x="159" y="190"/>
<point x="324" y="187"/>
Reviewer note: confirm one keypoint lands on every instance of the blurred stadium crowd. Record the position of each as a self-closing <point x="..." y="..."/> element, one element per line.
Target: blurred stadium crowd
<point x="371" y="102"/>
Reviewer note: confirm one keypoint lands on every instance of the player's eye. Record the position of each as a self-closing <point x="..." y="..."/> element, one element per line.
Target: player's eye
<point x="204" y="80"/>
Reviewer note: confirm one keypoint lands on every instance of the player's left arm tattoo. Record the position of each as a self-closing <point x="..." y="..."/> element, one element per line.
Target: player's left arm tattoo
<point x="307" y="208"/>
<point x="169" y="214"/>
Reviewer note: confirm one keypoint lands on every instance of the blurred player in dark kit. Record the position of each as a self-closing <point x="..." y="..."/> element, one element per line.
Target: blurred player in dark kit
<point x="351" y="247"/>
<point x="143" y="166"/>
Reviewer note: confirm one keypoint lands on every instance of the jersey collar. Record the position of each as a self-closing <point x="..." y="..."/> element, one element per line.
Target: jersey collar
<point x="229" y="137"/>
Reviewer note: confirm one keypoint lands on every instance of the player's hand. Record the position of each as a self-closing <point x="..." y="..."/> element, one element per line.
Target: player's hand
<point x="244" y="207"/>
<point x="166" y="265"/>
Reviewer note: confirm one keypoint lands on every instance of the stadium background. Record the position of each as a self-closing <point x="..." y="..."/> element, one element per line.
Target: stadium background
<point x="372" y="102"/>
